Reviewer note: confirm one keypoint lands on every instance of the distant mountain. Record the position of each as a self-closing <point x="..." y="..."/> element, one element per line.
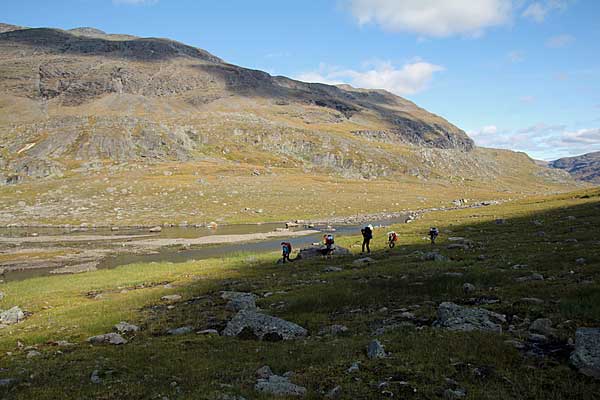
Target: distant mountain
<point x="585" y="167"/>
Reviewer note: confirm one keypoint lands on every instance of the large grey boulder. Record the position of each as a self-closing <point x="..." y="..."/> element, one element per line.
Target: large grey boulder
<point x="315" y="251"/>
<point x="239" y="301"/>
<point x="586" y="357"/>
<point x="375" y="350"/>
<point x="108" y="338"/>
<point x="252" y="324"/>
<point x="12" y="316"/>
<point x="457" y="318"/>
<point x="279" y="386"/>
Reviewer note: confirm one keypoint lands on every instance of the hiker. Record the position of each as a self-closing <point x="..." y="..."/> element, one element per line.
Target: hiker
<point x="433" y="234"/>
<point x="367" y="233"/>
<point x="392" y="239"/>
<point x="286" y="250"/>
<point x="328" y="241"/>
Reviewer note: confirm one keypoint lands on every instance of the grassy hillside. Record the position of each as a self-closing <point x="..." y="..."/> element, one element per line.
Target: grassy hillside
<point x="424" y="361"/>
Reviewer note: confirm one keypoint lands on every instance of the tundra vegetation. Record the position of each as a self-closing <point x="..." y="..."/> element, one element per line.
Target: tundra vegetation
<point x="490" y="312"/>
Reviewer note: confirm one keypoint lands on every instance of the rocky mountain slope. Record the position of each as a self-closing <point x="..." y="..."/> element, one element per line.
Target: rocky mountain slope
<point x="84" y="106"/>
<point x="585" y="167"/>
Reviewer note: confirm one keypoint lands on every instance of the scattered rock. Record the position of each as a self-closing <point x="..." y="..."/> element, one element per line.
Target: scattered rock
<point x="12" y="316"/>
<point x="156" y="229"/>
<point x="240" y="301"/>
<point x="355" y="367"/>
<point x="364" y="260"/>
<point x="279" y="386"/>
<point x="454" y="317"/>
<point x="542" y="326"/>
<point x="318" y="251"/>
<point x="537" y="338"/>
<point x="468" y="288"/>
<point x="264" y="372"/>
<point x="334" y="330"/>
<point x="452" y="394"/>
<point x="453" y="274"/>
<point x="1" y="295"/>
<point x="334" y="393"/>
<point x="7" y="382"/>
<point x="532" y="277"/>
<point x="33" y="354"/>
<point x="375" y="350"/>
<point x="208" y="332"/>
<point x="517" y="344"/>
<point x="586" y="357"/>
<point x="500" y="221"/>
<point x="184" y="330"/>
<point x="580" y="261"/>
<point x="171" y="297"/>
<point x="95" y="377"/>
<point x="107" y="338"/>
<point x="252" y="324"/>
<point x="125" y="327"/>
<point x="532" y="300"/>
<point x="333" y="269"/>
<point x="433" y="256"/>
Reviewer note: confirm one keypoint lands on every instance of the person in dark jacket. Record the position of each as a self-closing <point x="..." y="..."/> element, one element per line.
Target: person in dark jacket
<point x="367" y="234"/>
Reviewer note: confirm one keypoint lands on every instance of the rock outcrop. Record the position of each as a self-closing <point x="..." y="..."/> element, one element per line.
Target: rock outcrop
<point x="586" y="357"/>
<point x="457" y="318"/>
<point x="255" y="325"/>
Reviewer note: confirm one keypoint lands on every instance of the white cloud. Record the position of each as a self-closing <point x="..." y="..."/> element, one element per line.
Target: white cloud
<point x="527" y="99"/>
<point x="539" y="10"/>
<point x="411" y="78"/>
<point x="438" y="18"/>
<point x="560" y="41"/>
<point x="543" y="141"/>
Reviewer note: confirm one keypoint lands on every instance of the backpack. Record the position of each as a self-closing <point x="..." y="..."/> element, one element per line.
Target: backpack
<point x="329" y="239"/>
<point x="288" y="247"/>
<point x="368" y="233"/>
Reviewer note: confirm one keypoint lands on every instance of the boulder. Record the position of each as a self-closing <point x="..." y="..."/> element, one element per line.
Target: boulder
<point x="279" y="386"/>
<point x="184" y="330"/>
<point x="468" y="288"/>
<point x="362" y="261"/>
<point x="171" y="297"/>
<point x="12" y="316"/>
<point x="457" y="318"/>
<point x="375" y="350"/>
<point x="317" y="251"/>
<point x="586" y="357"/>
<point x="240" y="301"/>
<point x="433" y="256"/>
<point x="156" y="229"/>
<point x="333" y="269"/>
<point x="248" y="323"/>
<point x="334" y="393"/>
<point x="108" y="338"/>
<point x="542" y="326"/>
<point x="532" y="277"/>
<point x="334" y="330"/>
<point x="264" y="372"/>
<point x="125" y="327"/>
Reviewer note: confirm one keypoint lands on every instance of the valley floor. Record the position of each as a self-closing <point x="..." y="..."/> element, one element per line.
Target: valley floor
<point x="531" y="259"/>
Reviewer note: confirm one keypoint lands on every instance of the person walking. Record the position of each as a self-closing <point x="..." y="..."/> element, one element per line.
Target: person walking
<point x="433" y="234"/>
<point x="286" y="250"/>
<point x="367" y="234"/>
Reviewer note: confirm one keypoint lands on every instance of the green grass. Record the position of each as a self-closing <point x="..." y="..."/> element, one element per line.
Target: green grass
<point x="153" y="365"/>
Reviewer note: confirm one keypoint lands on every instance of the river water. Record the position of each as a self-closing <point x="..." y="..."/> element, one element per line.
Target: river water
<point x="197" y="253"/>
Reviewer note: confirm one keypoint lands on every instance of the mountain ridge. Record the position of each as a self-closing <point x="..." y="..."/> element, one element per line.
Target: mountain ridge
<point x="585" y="167"/>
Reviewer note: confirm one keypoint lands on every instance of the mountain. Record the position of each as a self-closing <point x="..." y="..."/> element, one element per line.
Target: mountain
<point x="585" y="167"/>
<point x="84" y="104"/>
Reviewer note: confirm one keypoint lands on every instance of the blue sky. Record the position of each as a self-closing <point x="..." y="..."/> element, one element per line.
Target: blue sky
<point x="518" y="74"/>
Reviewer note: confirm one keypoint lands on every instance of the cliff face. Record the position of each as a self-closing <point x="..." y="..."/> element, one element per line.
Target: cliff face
<point x="85" y="94"/>
<point x="585" y="167"/>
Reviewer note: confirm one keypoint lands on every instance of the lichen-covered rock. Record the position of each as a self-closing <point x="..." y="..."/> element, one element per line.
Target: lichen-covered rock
<point x="586" y="357"/>
<point x="375" y="350"/>
<point x="279" y="386"/>
<point x="12" y="316"/>
<point x="107" y="338"/>
<point x="125" y="327"/>
<point x="255" y="325"/>
<point x="457" y="318"/>
<point x="240" y="301"/>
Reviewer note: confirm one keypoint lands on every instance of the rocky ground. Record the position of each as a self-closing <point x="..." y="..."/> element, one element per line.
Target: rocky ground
<point x="504" y="306"/>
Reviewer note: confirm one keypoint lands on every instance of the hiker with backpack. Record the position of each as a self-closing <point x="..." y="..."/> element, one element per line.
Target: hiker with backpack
<point x="286" y="250"/>
<point x="367" y="234"/>
<point x="328" y="241"/>
<point x="392" y="239"/>
<point x="433" y="234"/>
